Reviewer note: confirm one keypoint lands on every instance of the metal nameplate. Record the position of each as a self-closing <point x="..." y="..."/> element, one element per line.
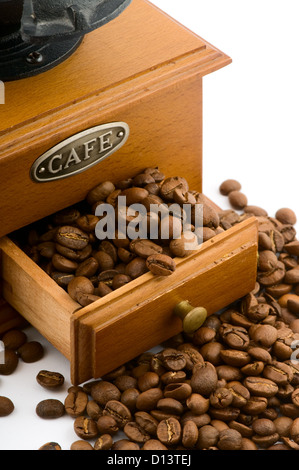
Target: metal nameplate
<point x="79" y="152"/>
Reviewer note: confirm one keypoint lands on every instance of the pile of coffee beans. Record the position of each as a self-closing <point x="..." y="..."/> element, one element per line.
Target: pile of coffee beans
<point x="65" y="245"/>
<point x="232" y="385"/>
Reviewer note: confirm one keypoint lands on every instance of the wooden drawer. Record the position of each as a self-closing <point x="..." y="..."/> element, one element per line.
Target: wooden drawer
<point x="138" y="316"/>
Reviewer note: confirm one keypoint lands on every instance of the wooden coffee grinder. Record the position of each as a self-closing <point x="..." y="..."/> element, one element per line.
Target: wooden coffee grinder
<point x="94" y="95"/>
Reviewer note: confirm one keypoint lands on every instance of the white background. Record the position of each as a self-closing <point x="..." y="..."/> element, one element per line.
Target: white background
<point x="251" y="132"/>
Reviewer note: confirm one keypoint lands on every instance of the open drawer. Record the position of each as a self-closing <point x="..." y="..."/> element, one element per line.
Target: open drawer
<point x="136" y="317"/>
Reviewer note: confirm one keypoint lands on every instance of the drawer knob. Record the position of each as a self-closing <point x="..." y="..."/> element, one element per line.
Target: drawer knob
<point x="192" y="317"/>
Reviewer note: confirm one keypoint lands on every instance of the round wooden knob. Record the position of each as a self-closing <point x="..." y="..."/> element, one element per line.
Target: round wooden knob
<point x="192" y="317"/>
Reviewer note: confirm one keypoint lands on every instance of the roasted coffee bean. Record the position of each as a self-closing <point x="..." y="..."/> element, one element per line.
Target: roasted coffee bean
<point x="75" y="403"/>
<point x="85" y="428"/>
<point x="136" y="433"/>
<point x="228" y="186"/>
<point x="50" y="446"/>
<point x="169" y="431"/>
<point x="118" y="411"/>
<point x="87" y="222"/>
<point x="50" y="409"/>
<point x="14" y="339"/>
<point x="197" y="403"/>
<point x="261" y="387"/>
<point x="160" y="264"/>
<point x="235" y="337"/>
<point x="229" y="439"/>
<point x="207" y="437"/>
<point x="153" y="444"/>
<point x="104" y="442"/>
<point x="50" y="380"/>
<point x="148" y="380"/>
<point x="107" y="425"/>
<point x="62" y="264"/>
<point x="10" y="362"/>
<point x="72" y="237"/>
<point x="279" y="372"/>
<point x="87" y="268"/>
<point x="148" y="400"/>
<point x="204" y="378"/>
<point x="145" y="248"/>
<point x="129" y="398"/>
<point x="179" y="391"/>
<point x="120" y="280"/>
<point x="6" y="406"/>
<point x="125" y="444"/>
<point x="80" y="285"/>
<point x="81" y="445"/>
<point x="234" y="357"/>
<point x="173" y="360"/>
<point x="104" y="391"/>
<point x="136" y="267"/>
<point x="221" y="397"/>
<point x="286" y="216"/>
<point x="263" y="427"/>
<point x="100" y="192"/>
<point x="189" y="434"/>
<point x="93" y="410"/>
<point x="146" y="422"/>
<point x="170" y="405"/>
<point x="62" y="279"/>
<point x="237" y="199"/>
<point x="171" y="184"/>
<point x="31" y="351"/>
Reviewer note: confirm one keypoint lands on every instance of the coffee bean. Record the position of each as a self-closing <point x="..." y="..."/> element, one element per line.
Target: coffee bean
<point x="125" y="444"/>
<point x="85" y="428"/>
<point x="31" y="351"/>
<point x="75" y="403"/>
<point x="81" y="445"/>
<point x="10" y="362"/>
<point x="146" y="422"/>
<point x="50" y="446"/>
<point x="87" y="268"/>
<point x="72" y="237"/>
<point x="107" y="425"/>
<point x="169" y="431"/>
<point x="93" y="410"/>
<point x="160" y="264"/>
<point x="229" y="439"/>
<point x="118" y="411"/>
<point x="170" y="185"/>
<point x="14" y="339"/>
<point x="261" y="387"/>
<point x="204" y="378"/>
<point x="286" y="216"/>
<point x="228" y="186"/>
<point x="50" y="409"/>
<point x="103" y="442"/>
<point x="80" y="285"/>
<point x="50" y="380"/>
<point x="6" y="406"/>
<point x="87" y="222"/>
<point x="173" y="359"/>
<point x="100" y="192"/>
<point x="237" y="199"/>
<point x="263" y="427"/>
<point x="103" y="391"/>
<point x="153" y="444"/>
<point x="136" y="433"/>
<point x="148" y="400"/>
<point x="207" y="437"/>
